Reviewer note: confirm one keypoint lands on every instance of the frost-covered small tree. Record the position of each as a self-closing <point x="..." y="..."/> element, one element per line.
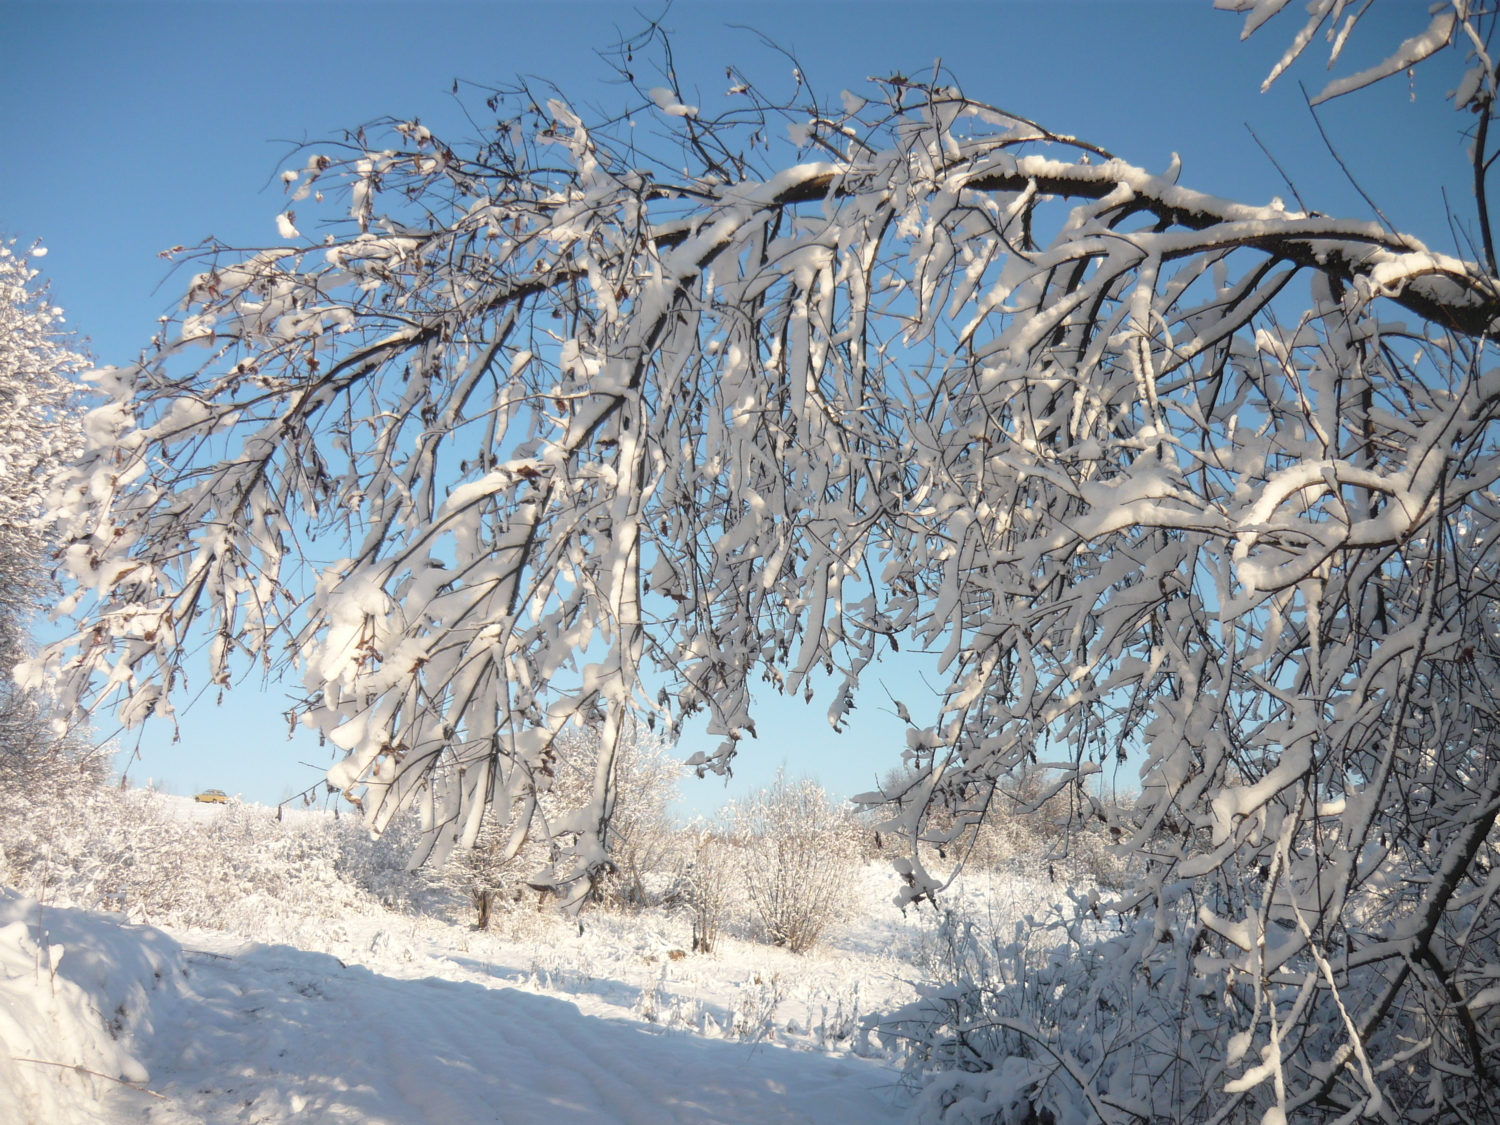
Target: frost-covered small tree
<point x="554" y="425"/>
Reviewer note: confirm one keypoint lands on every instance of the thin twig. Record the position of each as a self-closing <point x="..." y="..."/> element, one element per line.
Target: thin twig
<point x="1334" y="153"/>
<point x="310" y="789"/>
<point x="1293" y="187"/>
<point x="1453" y="231"/>
<point x="95" y="1073"/>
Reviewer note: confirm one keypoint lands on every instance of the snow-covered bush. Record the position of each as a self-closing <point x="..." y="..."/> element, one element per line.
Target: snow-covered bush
<point x="1028" y="830"/>
<point x="65" y="836"/>
<point x="644" y="848"/>
<point x="795" y="853"/>
<point x="708" y="885"/>
<point x="1029" y="827"/>
<point x="55" y="812"/>
<point x="977" y="1045"/>
<point x="754" y="1017"/>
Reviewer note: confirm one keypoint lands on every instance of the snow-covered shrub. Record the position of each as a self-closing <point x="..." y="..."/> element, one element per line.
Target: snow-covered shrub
<point x="796" y="854"/>
<point x="52" y="798"/>
<point x="977" y="1046"/>
<point x="1004" y="1095"/>
<point x="65" y="836"/>
<point x="1026" y="829"/>
<point x="643" y="846"/>
<point x="754" y="1017"/>
<point x="838" y="1017"/>
<point x="1030" y="830"/>
<point x="377" y="865"/>
<point x="708" y="886"/>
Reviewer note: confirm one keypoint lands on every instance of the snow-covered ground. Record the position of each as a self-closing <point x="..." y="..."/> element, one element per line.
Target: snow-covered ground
<point x="395" y="1017"/>
<point x="273" y="1034"/>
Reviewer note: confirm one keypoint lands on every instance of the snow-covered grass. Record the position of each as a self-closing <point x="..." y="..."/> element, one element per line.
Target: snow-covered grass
<point x="293" y="971"/>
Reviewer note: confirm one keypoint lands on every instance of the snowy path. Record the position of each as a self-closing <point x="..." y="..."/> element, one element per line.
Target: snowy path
<point x="278" y="1035"/>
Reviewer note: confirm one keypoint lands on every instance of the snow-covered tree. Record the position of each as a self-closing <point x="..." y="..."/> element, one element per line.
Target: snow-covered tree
<point x="38" y="432"/>
<point x="554" y="425"/>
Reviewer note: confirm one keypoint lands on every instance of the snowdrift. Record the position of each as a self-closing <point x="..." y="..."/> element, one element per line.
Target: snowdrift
<point x="77" y="992"/>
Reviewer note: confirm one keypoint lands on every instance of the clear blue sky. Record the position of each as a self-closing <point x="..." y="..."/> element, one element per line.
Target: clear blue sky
<point x="132" y="127"/>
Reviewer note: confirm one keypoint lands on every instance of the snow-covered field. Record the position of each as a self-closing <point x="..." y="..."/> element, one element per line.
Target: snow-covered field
<point x="386" y="1016"/>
